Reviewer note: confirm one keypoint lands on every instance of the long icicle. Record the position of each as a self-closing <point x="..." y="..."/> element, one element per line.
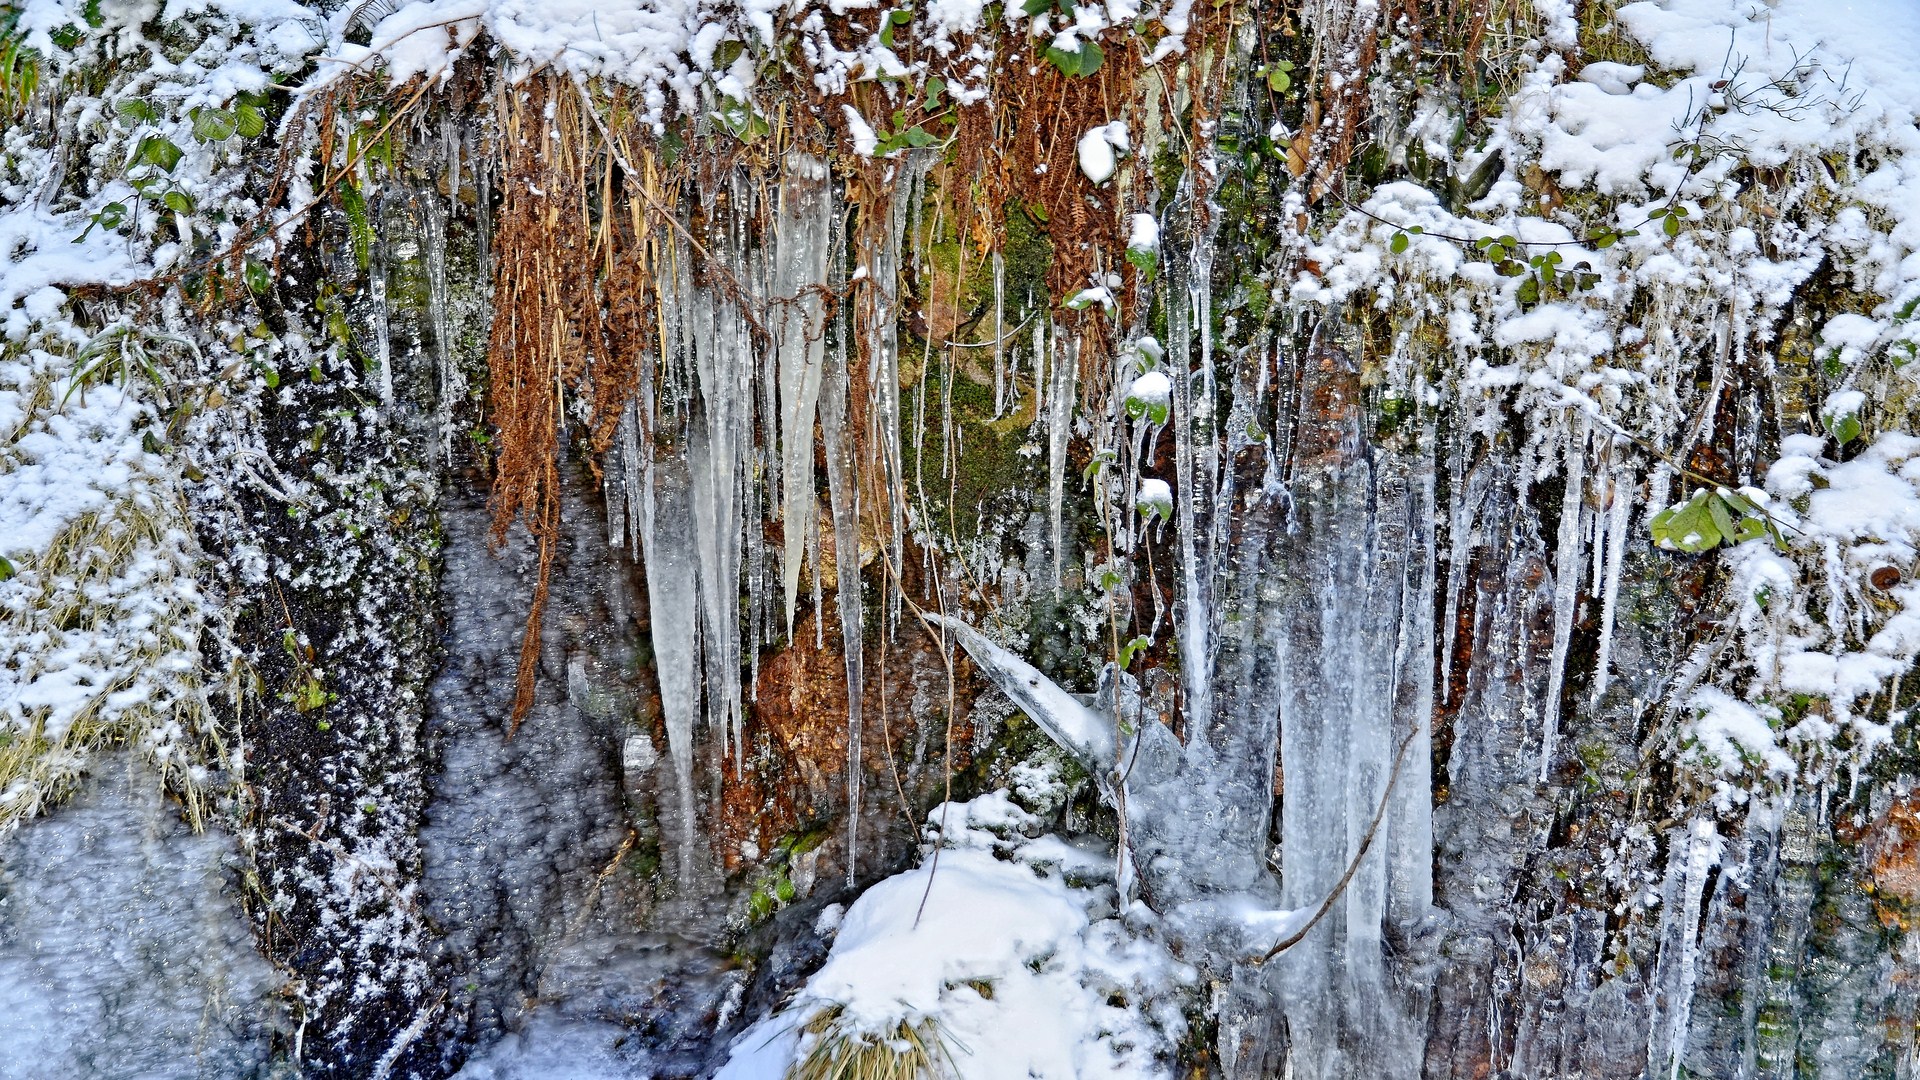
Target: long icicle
<point x="1567" y="563"/>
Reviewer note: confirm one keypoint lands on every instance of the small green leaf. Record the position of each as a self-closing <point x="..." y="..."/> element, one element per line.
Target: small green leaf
<point x="159" y="152"/>
<point x="1844" y="428"/>
<point x="6" y="569"/>
<point x="1722" y="516"/>
<point x="258" y="278"/>
<point x="213" y="125"/>
<point x="1131" y="648"/>
<point x="1079" y="63"/>
<point x="1398" y="245"/>
<point x="249" y="122"/>
<point x="178" y="202"/>
<point x="1688" y="527"/>
<point x="136" y="109"/>
<point x="1671" y="226"/>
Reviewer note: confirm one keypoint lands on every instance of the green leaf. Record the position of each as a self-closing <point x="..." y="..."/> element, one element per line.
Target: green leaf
<point x="1398" y="245"/>
<point x="1131" y="648"/>
<point x="1146" y="260"/>
<point x="6" y="569"/>
<point x="1030" y="8"/>
<point x="136" y="109"/>
<point x="159" y="152"/>
<point x="249" y="121"/>
<point x="1671" y="226"/>
<point x="936" y="87"/>
<point x="1722" y="516"/>
<point x="178" y="202"/>
<point x="1844" y="428"/>
<point x="1079" y="63"/>
<point x="213" y="125"/>
<point x="1529" y="292"/>
<point x="1688" y="527"/>
<point x="258" y="278"/>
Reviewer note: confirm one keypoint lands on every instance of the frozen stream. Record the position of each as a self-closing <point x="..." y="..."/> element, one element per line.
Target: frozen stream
<point x="122" y="951"/>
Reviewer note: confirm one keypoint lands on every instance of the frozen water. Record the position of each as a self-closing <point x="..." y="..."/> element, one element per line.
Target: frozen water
<point x="123" y="951"/>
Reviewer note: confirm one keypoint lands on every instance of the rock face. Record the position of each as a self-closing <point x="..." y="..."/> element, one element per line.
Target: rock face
<point x="1481" y="602"/>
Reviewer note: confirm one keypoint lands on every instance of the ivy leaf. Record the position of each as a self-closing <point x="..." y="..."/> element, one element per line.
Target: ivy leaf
<point x="1079" y="63"/>
<point x="1844" y="428"/>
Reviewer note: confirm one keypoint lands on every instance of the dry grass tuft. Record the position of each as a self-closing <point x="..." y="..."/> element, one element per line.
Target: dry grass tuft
<point x="103" y="627"/>
<point x="839" y="1051"/>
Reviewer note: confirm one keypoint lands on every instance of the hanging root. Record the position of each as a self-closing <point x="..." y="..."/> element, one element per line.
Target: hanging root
<point x="570" y="285"/>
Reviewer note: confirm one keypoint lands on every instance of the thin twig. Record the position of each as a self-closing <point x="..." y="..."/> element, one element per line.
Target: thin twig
<point x="1353" y="867"/>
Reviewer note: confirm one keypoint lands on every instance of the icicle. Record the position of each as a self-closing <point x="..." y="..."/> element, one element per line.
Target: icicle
<point x="999" y="336"/>
<point x="1194" y="626"/>
<point x="843" y="499"/>
<point x="1691" y="865"/>
<point x="1619" y="517"/>
<point x="377" y="291"/>
<point x="1465" y="492"/>
<point x="717" y="449"/>
<point x="1060" y="402"/>
<point x="800" y="270"/>
<point x="670" y="540"/>
<point x="1567" y="562"/>
<point x="452" y="382"/>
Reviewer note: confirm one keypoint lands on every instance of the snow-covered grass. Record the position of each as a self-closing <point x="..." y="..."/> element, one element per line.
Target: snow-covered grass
<point x="99" y="610"/>
<point x="1004" y="957"/>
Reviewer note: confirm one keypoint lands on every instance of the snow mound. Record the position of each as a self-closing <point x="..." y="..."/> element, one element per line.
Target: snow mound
<point x="1007" y="946"/>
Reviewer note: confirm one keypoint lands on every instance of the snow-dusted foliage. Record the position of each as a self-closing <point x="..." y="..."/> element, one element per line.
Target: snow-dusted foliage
<point x="1641" y="242"/>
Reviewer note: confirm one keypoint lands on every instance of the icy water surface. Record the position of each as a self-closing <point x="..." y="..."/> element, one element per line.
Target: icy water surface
<point x="122" y="950"/>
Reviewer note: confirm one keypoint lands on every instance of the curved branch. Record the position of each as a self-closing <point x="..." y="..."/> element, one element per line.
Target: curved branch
<point x="1353" y="867"/>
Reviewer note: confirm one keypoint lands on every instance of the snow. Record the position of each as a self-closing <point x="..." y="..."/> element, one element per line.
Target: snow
<point x="1097" y="150"/>
<point x="1155" y="497"/>
<point x="1152" y="389"/>
<point x="1143" y="233"/>
<point x="1021" y="972"/>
